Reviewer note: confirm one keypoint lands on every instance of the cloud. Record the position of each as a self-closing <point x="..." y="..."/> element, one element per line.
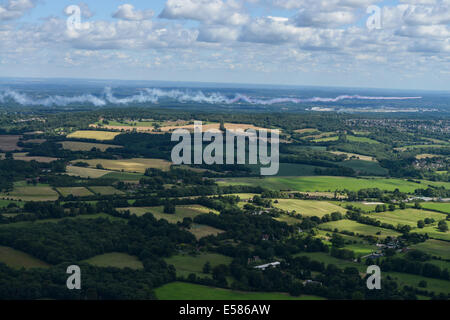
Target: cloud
<point x="127" y="12"/>
<point x="207" y="11"/>
<point x="14" y="9"/>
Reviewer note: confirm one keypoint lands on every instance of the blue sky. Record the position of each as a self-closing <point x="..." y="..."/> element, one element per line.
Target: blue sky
<point x="292" y="42"/>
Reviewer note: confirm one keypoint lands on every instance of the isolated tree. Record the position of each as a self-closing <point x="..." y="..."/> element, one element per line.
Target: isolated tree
<point x="442" y="226"/>
<point x="207" y="268"/>
<point x="420" y="224"/>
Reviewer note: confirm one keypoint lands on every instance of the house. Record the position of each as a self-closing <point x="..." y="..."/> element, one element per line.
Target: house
<point x="312" y="282"/>
<point x="265" y="237"/>
<point x="267" y="265"/>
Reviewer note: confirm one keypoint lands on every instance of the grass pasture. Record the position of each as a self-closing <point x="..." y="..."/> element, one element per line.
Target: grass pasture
<point x="190" y="211"/>
<point x="434" y="232"/>
<point x="330" y="183"/>
<point x="358" y="228"/>
<point x="201" y="231"/>
<point x="116" y="260"/>
<point x="85" y="172"/>
<point x="31" y="193"/>
<point x="406" y="217"/>
<point x="361" y="139"/>
<point x="189" y="291"/>
<point x="94" y="135"/>
<point x="18" y="259"/>
<point x="308" y="207"/>
<point x="137" y="165"/>
<point x="186" y="264"/>
<point x="434" y="247"/>
<point x="106" y="191"/>
<point x="438" y="206"/>
<point x="75" y="191"/>
<point x="86" y="146"/>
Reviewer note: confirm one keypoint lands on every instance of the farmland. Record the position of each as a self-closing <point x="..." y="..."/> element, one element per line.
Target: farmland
<point x="201" y="231"/>
<point x="438" y="206"/>
<point x="75" y="191"/>
<point x="116" y="260"/>
<point x="330" y="184"/>
<point x="9" y="142"/>
<point x="18" y="259"/>
<point x="308" y="207"/>
<point x="105" y="191"/>
<point x="181" y="212"/>
<point x="358" y="228"/>
<point x="186" y="264"/>
<point x="188" y="291"/>
<point x="85" y="172"/>
<point x="406" y="217"/>
<point x="136" y="165"/>
<point x="434" y="247"/>
<point x="31" y="193"/>
<point x="86" y="146"/>
<point x="93" y="135"/>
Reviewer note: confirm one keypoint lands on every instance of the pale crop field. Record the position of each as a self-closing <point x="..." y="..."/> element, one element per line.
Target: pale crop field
<point x="308" y="207"/>
<point x="95" y="135"/>
<point x="137" y="165"/>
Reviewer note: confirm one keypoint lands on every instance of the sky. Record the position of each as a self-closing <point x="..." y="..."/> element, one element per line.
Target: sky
<point x="402" y="44"/>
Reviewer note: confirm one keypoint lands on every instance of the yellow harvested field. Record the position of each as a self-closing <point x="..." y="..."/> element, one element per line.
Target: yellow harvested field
<point x="85" y="172"/>
<point x="86" y="146"/>
<point x="306" y="130"/>
<point x="138" y="165"/>
<point x="95" y="135"/>
<point x="125" y="128"/>
<point x="355" y="156"/>
<point x="212" y="126"/>
<point x="9" y="143"/>
<point x="427" y="155"/>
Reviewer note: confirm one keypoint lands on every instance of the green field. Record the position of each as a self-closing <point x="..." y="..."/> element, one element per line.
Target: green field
<point x="438" y="206"/>
<point x="75" y="191"/>
<point x="85" y="172"/>
<point x="358" y="228"/>
<point x="94" y="135"/>
<point x="434" y="247"/>
<point x="5" y="203"/>
<point x="105" y="191"/>
<point x="186" y="264"/>
<point x="189" y="291"/>
<point x="123" y="176"/>
<point x="364" y="206"/>
<point x="18" y="259"/>
<point x="435" y="285"/>
<point x="326" y="183"/>
<point x="434" y="232"/>
<point x="31" y="193"/>
<point x="182" y="212"/>
<point x="361" y="139"/>
<point x="201" y="231"/>
<point x="406" y="217"/>
<point x="308" y="207"/>
<point x="116" y="260"/>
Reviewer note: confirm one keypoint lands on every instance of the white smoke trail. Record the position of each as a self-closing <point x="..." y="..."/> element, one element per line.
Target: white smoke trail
<point x="154" y="95"/>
